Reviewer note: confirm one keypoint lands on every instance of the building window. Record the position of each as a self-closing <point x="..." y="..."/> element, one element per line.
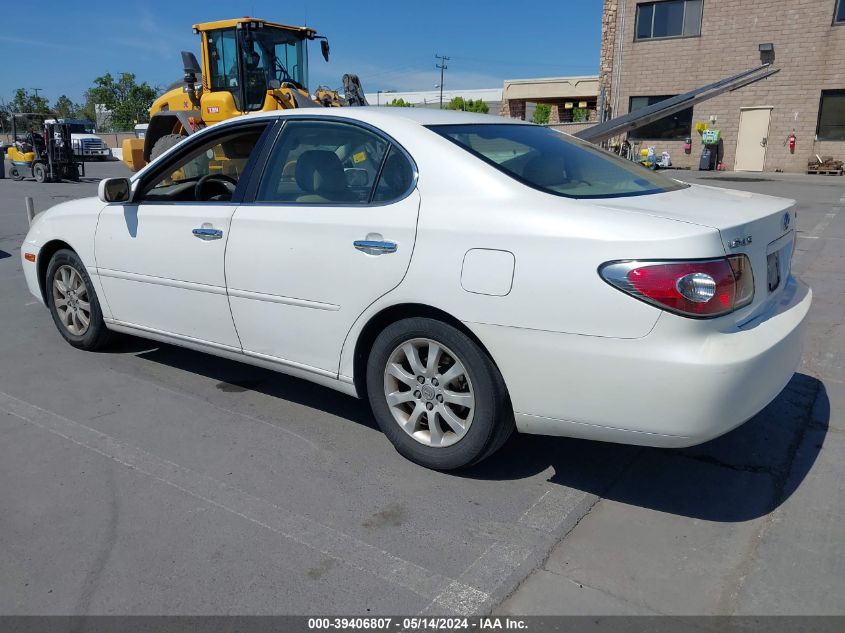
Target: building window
<point x="831" y="125"/>
<point x="675" y="127"/>
<point x="669" y="18"/>
<point x="839" y="16"/>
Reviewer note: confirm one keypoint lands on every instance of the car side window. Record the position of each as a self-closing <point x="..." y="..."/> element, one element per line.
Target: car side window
<point x="396" y="177"/>
<point x="323" y="162"/>
<point x="208" y="173"/>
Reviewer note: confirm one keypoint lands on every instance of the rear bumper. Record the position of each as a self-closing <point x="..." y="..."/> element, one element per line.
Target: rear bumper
<point x="684" y="383"/>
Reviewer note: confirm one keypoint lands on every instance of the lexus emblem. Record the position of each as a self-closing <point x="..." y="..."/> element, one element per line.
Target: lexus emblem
<point x="785" y="221"/>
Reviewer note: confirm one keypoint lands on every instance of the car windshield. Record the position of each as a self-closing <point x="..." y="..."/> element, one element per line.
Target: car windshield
<point x="554" y="162"/>
<point x="81" y="127"/>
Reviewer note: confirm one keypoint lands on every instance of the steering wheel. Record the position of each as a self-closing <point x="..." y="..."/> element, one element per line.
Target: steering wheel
<point x="283" y="75"/>
<point x="198" y="188"/>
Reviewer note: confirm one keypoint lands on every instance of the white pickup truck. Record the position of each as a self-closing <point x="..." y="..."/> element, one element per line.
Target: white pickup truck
<point x="86" y="144"/>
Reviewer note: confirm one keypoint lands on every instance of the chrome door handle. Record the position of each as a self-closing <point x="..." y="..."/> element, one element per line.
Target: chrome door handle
<point x="375" y="247"/>
<point x="208" y="234"/>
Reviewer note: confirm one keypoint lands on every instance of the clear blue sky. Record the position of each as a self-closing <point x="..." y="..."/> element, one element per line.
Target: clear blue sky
<point x="63" y="46"/>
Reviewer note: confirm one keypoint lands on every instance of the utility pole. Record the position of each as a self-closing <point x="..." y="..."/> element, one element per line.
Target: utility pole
<point x="35" y="90"/>
<point x="442" y="66"/>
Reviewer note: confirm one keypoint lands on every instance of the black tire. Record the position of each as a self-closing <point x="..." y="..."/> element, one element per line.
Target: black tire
<point x="39" y="172"/>
<point x="15" y="172"/>
<point x="164" y="143"/>
<point x="96" y="335"/>
<point x="492" y="418"/>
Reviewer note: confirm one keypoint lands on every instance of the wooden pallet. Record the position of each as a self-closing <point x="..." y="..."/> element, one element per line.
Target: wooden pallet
<point x="825" y="172"/>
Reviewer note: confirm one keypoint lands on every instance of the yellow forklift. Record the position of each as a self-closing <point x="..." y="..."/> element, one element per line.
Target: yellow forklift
<point x="41" y="148"/>
<point x="247" y="65"/>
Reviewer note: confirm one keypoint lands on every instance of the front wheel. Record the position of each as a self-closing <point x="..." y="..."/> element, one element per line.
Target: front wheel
<point x="437" y="395"/>
<point x="73" y="302"/>
<point x="165" y="143"/>
<point x="39" y="172"/>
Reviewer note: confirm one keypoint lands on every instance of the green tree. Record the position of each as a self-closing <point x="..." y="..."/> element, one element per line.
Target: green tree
<point x="128" y="101"/>
<point x="26" y="101"/>
<point x="65" y="108"/>
<point x="468" y="105"/>
<point x="541" y="113"/>
<point x="400" y="103"/>
<point x="5" y="122"/>
<point x="580" y="115"/>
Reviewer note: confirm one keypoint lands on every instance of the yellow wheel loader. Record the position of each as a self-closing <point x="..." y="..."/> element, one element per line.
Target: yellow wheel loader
<point x="248" y="65"/>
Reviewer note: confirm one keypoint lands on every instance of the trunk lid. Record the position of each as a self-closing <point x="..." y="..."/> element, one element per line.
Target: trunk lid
<point x="759" y="226"/>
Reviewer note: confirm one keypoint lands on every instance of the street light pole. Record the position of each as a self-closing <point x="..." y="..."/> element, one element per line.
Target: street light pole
<point x="442" y="66"/>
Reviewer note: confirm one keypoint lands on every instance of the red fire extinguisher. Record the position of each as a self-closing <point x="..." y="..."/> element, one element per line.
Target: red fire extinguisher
<point x="792" y="143"/>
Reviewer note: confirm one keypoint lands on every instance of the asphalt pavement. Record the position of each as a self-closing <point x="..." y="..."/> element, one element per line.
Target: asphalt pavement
<point x="149" y="479"/>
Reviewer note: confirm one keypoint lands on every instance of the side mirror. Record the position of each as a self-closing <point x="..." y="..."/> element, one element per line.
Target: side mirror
<point x="324" y="48"/>
<point x="114" y="190"/>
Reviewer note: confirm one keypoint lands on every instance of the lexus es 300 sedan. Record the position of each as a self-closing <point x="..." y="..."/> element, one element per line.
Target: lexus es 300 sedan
<point x="469" y="275"/>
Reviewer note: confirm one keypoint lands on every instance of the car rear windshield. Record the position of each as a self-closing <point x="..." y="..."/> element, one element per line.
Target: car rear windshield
<point x="554" y="162"/>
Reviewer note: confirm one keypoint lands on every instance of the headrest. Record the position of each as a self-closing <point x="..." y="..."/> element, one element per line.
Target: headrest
<point x="545" y="171"/>
<point x="319" y="171"/>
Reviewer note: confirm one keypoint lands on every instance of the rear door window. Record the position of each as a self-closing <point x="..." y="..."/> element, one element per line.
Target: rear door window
<point x="327" y="162"/>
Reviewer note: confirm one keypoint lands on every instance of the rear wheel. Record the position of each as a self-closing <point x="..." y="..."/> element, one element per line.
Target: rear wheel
<point x="15" y="172"/>
<point x="73" y="302"/>
<point x="436" y="395"/>
<point x="39" y="172"/>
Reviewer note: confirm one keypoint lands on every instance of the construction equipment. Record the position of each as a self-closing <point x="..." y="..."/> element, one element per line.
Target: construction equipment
<point x="642" y="117"/>
<point x="41" y="148"/>
<point x="248" y="65"/>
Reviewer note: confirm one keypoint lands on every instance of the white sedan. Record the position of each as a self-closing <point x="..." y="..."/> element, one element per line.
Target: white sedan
<point x="467" y="274"/>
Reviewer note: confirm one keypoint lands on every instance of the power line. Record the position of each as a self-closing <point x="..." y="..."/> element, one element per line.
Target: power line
<point x="442" y="66"/>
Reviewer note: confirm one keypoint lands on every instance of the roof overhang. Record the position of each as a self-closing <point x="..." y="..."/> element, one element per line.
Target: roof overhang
<point x="304" y="31"/>
<point x="552" y="88"/>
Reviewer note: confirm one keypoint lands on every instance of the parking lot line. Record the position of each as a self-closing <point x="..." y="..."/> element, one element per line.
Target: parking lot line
<point x="449" y="594"/>
<point x="820" y="228"/>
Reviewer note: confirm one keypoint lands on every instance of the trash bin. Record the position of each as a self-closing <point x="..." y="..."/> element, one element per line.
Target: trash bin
<point x="2" y="165"/>
<point x="705" y="163"/>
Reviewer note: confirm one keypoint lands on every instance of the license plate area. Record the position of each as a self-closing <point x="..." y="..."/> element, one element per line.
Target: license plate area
<point x="773" y="270"/>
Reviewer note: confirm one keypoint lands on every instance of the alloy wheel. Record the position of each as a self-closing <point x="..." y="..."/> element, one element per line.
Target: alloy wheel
<point x="70" y="296"/>
<point x="429" y="392"/>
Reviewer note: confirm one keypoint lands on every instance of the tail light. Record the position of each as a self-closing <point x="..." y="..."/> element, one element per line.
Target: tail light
<point x="698" y="288"/>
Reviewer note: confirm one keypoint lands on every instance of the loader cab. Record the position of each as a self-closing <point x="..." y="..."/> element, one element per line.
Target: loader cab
<point x="247" y="58"/>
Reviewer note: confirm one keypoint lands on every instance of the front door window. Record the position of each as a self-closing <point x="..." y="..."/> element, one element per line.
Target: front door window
<point x="209" y="173"/>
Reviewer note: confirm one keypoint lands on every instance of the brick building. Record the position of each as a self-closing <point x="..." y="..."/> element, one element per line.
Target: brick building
<point x="657" y="49"/>
<point x="563" y="94"/>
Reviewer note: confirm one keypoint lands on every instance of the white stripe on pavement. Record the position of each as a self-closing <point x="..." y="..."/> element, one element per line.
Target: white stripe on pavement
<point x="447" y="593"/>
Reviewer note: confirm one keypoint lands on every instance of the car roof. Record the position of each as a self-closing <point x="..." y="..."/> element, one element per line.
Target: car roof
<point x="379" y="114"/>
